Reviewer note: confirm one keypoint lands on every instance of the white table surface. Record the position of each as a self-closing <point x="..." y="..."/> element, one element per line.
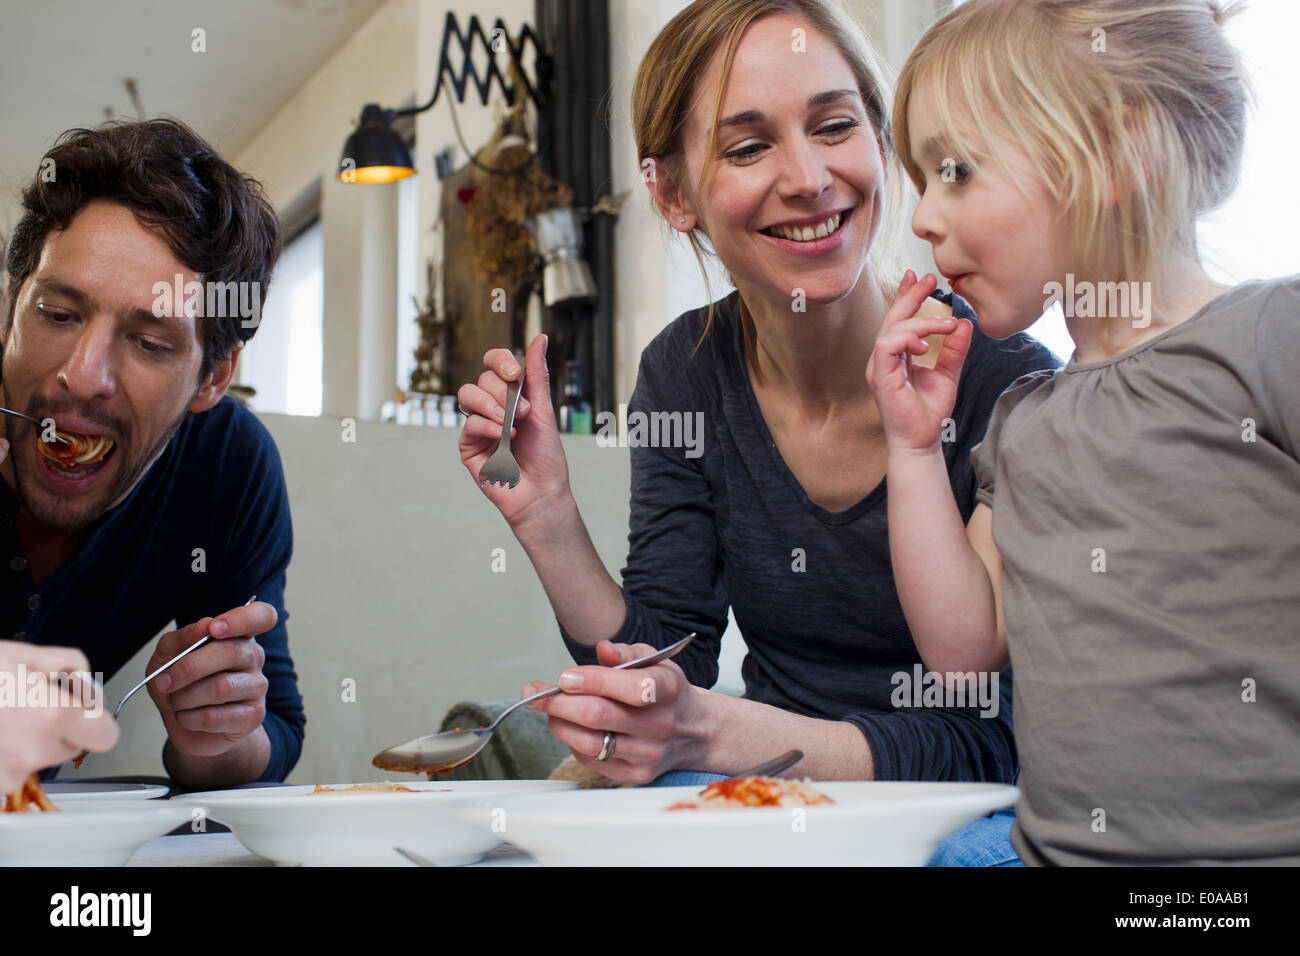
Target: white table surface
<point x="224" y="849"/>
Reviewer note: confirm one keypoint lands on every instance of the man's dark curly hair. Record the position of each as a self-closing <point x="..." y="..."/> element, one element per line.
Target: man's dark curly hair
<point x="215" y="220"/>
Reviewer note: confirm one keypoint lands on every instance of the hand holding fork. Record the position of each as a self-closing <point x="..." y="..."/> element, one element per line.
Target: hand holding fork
<point x="501" y="468"/>
<point x="511" y="443"/>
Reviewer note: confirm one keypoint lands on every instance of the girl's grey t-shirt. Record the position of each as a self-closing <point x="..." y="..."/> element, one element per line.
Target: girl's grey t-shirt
<point x="721" y="520"/>
<point x="1147" y="511"/>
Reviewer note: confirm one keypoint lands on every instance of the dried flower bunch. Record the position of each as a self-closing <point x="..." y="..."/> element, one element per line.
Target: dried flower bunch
<point x="503" y="250"/>
<point x="431" y="354"/>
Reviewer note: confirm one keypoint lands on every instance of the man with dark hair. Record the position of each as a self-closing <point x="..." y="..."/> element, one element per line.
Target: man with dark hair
<point x="136" y="274"/>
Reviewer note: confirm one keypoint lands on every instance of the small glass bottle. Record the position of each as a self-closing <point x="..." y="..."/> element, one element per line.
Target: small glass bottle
<point x="575" y="412"/>
<point x="447" y="411"/>
<point x="415" y="408"/>
<point x="431" y="416"/>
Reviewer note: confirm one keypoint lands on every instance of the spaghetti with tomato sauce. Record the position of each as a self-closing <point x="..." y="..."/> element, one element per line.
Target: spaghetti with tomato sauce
<point x="753" y="792"/>
<point x="81" y="450"/>
<point x="30" y="794"/>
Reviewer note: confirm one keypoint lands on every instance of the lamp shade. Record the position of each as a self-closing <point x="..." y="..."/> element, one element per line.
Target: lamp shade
<point x="374" y="153"/>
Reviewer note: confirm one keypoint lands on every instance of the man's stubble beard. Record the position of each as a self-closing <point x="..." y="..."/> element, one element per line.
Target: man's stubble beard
<point x="58" y="517"/>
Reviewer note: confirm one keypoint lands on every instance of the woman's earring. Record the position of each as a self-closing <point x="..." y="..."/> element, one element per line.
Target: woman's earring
<point x="683" y="219"/>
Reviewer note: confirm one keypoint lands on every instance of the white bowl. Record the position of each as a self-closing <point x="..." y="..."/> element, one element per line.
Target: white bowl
<point x="290" y="825"/>
<point x="870" y="823"/>
<point x="86" y="832"/>
<point x="66" y="791"/>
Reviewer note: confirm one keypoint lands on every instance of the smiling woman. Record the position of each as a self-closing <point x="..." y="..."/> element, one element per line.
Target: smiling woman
<point x="763" y="136"/>
<point x="848" y="116"/>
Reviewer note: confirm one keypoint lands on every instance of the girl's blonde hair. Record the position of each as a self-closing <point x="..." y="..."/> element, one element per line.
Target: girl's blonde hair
<point x="679" y="56"/>
<point x="1132" y="111"/>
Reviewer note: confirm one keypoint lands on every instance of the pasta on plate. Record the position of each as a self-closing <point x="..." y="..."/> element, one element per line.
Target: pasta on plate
<point x="753" y="792"/>
<point x="384" y="787"/>
<point x="30" y="794"/>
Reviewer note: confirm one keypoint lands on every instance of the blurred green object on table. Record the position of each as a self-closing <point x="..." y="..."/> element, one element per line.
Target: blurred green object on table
<point x="521" y="749"/>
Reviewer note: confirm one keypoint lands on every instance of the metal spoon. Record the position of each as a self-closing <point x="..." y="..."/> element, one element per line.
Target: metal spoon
<point x="35" y="421"/>
<point x="434" y="753"/>
<point x="76" y="763"/>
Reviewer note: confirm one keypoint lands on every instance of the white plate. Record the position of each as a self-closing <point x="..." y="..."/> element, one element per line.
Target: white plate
<point x="289" y="825"/>
<point x="61" y="792"/>
<point x="86" y="832"/>
<point x="870" y="823"/>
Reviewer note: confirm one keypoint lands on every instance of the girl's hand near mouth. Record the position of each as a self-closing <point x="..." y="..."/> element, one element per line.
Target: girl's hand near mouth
<point x="914" y="400"/>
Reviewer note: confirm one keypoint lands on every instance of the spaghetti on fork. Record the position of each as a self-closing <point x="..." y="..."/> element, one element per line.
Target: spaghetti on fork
<point x="80" y="450"/>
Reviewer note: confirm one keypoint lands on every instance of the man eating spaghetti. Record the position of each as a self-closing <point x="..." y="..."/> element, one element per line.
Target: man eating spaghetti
<point x="148" y="495"/>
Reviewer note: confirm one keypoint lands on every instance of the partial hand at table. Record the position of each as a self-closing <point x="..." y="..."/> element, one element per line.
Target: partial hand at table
<point x="54" y="721"/>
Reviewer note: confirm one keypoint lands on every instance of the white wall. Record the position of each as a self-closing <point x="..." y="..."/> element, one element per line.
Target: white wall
<point x="303" y="143"/>
<point x="391" y="584"/>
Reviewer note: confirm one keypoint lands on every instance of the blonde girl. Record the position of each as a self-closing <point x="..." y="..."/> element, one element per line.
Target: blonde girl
<point x="1134" y="553"/>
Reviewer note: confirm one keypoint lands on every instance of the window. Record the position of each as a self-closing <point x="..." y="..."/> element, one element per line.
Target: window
<point x="283" y="361"/>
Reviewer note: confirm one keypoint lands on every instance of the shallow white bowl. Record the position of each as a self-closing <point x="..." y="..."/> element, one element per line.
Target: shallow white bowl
<point x="870" y="823"/>
<point x="65" y="791"/>
<point x="289" y="825"/>
<point x="86" y="832"/>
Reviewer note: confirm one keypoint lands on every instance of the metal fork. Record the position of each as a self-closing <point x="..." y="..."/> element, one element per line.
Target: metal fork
<point x="76" y="761"/>
<point x="40" y="425"/>
<point x="501" y="468"/>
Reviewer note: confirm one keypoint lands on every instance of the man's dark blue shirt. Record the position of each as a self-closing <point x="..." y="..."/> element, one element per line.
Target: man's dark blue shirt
<point x="206" y="528"/>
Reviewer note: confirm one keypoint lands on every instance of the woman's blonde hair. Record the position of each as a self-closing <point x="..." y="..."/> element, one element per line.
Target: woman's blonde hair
<point x="680" y="54"/>
<point x="1132" y="112"/>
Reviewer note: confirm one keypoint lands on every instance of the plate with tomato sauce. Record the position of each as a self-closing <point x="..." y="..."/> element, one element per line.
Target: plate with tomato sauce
<point x="858" y="823"/>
